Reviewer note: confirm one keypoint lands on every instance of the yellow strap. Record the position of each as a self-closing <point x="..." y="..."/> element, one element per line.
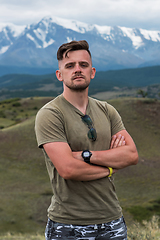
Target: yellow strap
<point x="110" y="171"/>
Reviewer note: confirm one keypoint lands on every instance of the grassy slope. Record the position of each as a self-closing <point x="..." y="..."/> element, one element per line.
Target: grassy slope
<point x="139" y="185"/>
<point x="24" y="184"/>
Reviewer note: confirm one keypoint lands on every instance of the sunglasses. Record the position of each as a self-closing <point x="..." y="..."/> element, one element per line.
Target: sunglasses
<point x="92" y="132"/>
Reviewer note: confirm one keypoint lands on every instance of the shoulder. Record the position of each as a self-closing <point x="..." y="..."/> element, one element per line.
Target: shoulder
<point x="55" y="103"/>
<point x="50" y="110"/>
<point x="105" y="106"/>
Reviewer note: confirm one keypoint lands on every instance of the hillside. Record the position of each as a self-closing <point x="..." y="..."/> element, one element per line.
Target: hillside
<point x="118" y="82"/>
<point x="24" y="182"/>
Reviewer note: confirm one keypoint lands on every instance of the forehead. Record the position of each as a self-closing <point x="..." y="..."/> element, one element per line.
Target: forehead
<point x="76" y="56"/>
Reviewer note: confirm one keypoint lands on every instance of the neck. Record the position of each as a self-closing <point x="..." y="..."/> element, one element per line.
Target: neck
<point x="79" y="99"/>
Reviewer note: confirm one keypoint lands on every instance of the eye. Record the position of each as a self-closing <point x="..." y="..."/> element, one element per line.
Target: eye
<point x="69" y="65"/>
<point x="84" y="64"/>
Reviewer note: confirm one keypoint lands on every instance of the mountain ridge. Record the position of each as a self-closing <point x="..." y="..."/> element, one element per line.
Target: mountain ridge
<point x="35" y="45"/>
<point x="124" y="82"/>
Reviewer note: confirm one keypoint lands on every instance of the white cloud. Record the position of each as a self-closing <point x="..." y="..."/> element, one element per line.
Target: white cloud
<point x="129" y="13"/>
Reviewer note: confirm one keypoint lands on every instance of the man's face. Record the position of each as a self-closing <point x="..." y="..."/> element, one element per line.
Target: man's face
<point x="75" y="70"/>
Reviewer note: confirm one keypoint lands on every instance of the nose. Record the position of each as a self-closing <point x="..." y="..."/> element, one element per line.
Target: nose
<point x="77" y="68"/>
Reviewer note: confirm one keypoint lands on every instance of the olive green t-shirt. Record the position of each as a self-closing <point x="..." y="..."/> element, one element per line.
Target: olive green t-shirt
<point x="78" y="202"/>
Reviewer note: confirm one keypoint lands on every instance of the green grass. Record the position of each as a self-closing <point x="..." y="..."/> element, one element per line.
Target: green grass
<point x="24" y="180"/>
<point x="25" y="190"/>
<point x="138" y="186"/>
<point x="145" y="212"/>
<point x="16" y="110"/>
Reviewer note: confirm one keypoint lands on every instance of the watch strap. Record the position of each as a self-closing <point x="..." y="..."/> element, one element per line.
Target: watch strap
<point x="86" y="158"/>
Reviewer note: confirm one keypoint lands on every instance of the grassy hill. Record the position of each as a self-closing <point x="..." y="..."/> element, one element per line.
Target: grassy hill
<point x="25" y="190"/>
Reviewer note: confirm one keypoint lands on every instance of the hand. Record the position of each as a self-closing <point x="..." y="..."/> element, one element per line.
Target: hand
<point x="78" y="155"/>
<point x="117" y="141"/>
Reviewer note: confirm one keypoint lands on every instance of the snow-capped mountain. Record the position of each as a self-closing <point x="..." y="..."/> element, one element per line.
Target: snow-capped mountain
<point x="8" y="34"/>
<point x="117" y="47"/>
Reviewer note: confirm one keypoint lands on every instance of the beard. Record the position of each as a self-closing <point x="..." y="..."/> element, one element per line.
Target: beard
<point x="78" y="86"/>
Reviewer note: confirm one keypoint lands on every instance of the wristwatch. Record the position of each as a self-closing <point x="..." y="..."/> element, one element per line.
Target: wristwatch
<point x="86" y="154"/>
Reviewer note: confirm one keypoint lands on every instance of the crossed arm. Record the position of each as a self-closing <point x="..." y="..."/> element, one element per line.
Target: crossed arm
<point x="70" y="165"/>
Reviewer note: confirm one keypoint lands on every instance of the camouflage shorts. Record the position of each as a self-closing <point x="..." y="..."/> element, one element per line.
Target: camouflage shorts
<point x="115" y="230"/>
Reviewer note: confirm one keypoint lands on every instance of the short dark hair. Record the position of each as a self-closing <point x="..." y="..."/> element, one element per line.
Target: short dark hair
<point x="72" y="46"/>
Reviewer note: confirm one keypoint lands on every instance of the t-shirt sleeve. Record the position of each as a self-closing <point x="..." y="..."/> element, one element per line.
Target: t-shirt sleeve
<point x="115" y="119"/>
<point x="49" y="127"/>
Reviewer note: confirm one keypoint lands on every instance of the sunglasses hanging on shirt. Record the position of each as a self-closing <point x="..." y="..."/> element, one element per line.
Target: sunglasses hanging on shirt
<point x="92" y="132"/>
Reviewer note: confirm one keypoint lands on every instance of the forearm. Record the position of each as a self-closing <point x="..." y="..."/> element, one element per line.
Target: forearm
<point x="69" y="167"/>
<point x="118" y="158"/>
<point x="122" y="153"/>
<point x="81" y="171"/>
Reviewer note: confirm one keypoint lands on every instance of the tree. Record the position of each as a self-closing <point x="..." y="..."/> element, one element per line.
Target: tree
<point x="142" y="93"/>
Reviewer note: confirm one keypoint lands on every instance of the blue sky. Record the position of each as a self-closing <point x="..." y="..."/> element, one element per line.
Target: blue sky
<point x="127" y="13"/>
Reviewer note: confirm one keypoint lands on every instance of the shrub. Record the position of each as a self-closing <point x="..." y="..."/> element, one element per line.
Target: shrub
<point x="10" y="100"/>
<point x="16" y="104"/>
<point x="146" y="231"/>
<point x="2" y="114"/>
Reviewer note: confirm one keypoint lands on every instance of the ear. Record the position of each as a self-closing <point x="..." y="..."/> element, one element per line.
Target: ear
<point x="93" y="72"/>
<point x="59" y="75"/>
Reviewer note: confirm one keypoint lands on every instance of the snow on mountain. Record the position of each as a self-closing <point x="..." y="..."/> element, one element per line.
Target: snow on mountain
<point x="106" y="32"/>
<point x="15" y="29"/>
<point x="103" y="30"/>
<point x="4" y="49"/>
<point x="151" y="35"/>
<point x="111" y="47"/>
<point x="132" y="34"/>
<point x="8" y="33"/>
<point x="74" y="25"/>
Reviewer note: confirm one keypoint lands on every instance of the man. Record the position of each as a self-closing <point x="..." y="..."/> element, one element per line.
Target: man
<point x="84" y="143"/>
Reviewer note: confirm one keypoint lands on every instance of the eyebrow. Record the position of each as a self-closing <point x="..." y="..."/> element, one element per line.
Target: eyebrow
<point x="69" y="63"/>
<point x="73" y="63"/>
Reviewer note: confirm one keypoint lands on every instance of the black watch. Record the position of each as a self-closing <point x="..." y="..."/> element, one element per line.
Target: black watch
<point x="86" y="154"/>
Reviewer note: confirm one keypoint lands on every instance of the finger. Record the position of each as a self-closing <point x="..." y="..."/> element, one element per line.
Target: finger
<point x="117" y="141"/>
<point x="120" y="143"/>
<point x="113" y="141"/>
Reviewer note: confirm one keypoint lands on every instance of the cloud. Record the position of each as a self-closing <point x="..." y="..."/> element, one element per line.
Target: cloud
<point x="129" y="13"/>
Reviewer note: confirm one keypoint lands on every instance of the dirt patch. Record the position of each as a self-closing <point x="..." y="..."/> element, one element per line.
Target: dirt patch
<point x="149" y="109"/>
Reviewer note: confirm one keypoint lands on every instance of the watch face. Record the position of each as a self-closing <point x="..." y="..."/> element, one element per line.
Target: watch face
<point x="86" y="154"/>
